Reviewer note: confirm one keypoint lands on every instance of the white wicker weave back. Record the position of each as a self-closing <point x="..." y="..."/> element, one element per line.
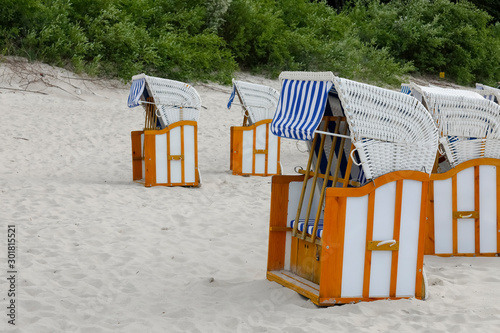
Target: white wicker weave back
<point x="391" y="131"/>
<point x="493" y="94"/>
<point x="175" y="100"/>
<point x="468" y="124"/>
<point x="259" y="100"/>
<point x="463" y="116"/>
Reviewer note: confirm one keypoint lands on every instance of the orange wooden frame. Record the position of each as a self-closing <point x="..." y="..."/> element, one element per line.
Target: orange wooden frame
<point x="328" y="291"/>
<point x="147" y="152"/>
<point x="236" y="149"/>
<point x="452" y="173"/>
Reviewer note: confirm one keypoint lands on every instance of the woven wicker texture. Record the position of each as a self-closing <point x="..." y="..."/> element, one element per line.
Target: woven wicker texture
<point x="259" y="101"/>
<point x="176" y="101"/>
<point x="390" y="130"/>
<point x="493" y="94"/>
<point x="468" y="124"/>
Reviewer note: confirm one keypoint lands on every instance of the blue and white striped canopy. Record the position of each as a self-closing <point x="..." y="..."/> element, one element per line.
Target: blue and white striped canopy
<point x="136" y="91"/>
<point x="300" y="108"/>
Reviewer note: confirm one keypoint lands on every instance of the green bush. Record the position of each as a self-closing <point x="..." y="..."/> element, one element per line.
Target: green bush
<point x="300" y="35"/>
<point x="434" y="35"/>
<point x="371" y="40"/>
<point x="118" y="38"/>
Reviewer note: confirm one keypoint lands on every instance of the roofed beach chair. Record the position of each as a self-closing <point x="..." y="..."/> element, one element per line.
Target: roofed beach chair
<point x="463" y="202"/>
<point x="354" y="241"/>
<point x="468" y="124"/>
<point x="490" y="93"/>
<point x="254" y="149"/>
<point x="166" y="151"/>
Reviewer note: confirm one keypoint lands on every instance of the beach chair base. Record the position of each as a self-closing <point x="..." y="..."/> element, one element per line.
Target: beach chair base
<point x="254" y="150"/>
<point x="372" y="243"/>
<point x="464" y="219"/>
<point x="167" y="157"/>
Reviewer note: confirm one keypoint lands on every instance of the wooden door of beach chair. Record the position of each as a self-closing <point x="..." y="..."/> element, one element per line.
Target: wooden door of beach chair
<point x="338" y="249"/>
<point x="463" y="216"/>
<point x="166" y="151"/>
<point x="254" y="150"/>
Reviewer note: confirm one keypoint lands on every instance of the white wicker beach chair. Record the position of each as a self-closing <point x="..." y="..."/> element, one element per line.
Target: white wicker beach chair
<point x="165" y="152"/>
<point x="391" y="131"/>
<point x="490" y="93"/>
<point x="175" y="101"/>
<point x="254" y="149"/>
<point x="468" y="124"/>
<point x="351" y="244"/>
<point x="258" y="101"/>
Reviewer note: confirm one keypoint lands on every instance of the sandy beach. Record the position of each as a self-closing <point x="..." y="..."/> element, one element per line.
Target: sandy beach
<point x="97" y="252"/>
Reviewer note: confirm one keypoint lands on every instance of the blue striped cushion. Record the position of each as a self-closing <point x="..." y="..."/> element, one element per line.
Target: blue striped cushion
<point x="310" y="226"/>
<point x="300" y="108"/>
<point x="135" y="93"/>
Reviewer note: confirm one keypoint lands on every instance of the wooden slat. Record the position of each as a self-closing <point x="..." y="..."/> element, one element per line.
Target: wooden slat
<point x="429" y="240"/>
<point x="454" y="209"/>
<point x="149" y="159"/>
<point x="333" y="247"/>
<point x="476" y="208"/>
<point x="280" y="229"/>
<point x="169" y="162"/>
<point x="369" y="238"/>
<point x="315" y="179"/>
<point x="231" y="148"/>
<point x="266" y="151"/>
<point x="254" y="144"/>
<point x="325" y="183"/>
<point x="339" y="156"/>
<point x="348" y="168"/>
<point x="295" y="283"/>
<point x="498" y="209"/>
<point x="278" y="223"/>
<point x="197" y="171"/>
<point x="421" y="236"/>
<point x="396" y="233"/>
<point x="304" y="187"/>
<point x="137" y="156"/>
<point x="237" y="151"/>
<point x="183" y="169"/>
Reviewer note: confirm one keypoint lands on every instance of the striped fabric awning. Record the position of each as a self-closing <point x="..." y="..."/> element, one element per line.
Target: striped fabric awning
<point x="136" y="91"/>
<point x="300" y="108"/>
<point x="231" y="98"/>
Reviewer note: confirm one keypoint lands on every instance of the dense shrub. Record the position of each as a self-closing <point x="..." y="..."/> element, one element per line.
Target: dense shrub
<point x="375" y="41"/>
<point x="118" y="38"/>
<point x="434" y="35"/>
<point x="299" y="35"/>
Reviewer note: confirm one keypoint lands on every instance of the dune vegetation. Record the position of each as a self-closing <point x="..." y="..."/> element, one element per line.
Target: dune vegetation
<point x="208" y="40"/>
